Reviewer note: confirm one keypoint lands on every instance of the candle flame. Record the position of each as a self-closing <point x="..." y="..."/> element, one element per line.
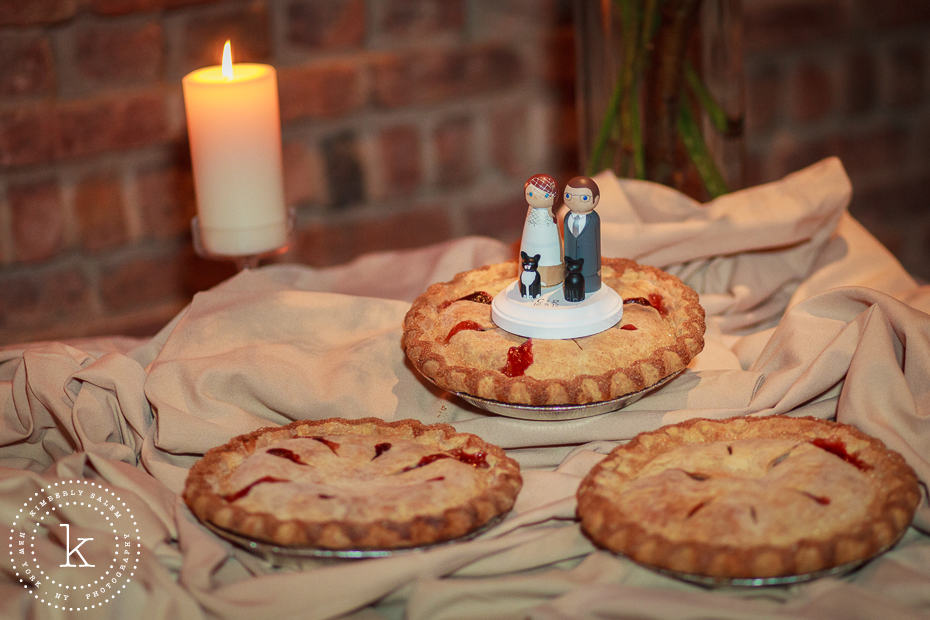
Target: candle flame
<point x="227" y="61"/>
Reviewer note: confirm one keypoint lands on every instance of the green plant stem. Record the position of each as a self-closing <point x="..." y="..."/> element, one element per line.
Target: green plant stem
<point x="629" y="22"/>
<point x="718" y="117"/>
<point x="697" y="150"/>
<point x="655" y="38"/>
<point x="607" y="125"/>
<point x="649" y="21"/>
<point x="663" y="91"/>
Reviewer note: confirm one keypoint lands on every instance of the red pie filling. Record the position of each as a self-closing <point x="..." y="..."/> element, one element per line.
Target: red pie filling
<point x="654" y="300"/>
<point x="838" y="448"/>
<point x="478" y="459"/>
<point x="479" y="297"/>
<point x="231" y="497"/>
<point x="284" y="453"/>
<point x="332" y="445"/>
<point x="463" y="325"/>
<point x="518" y="359"/>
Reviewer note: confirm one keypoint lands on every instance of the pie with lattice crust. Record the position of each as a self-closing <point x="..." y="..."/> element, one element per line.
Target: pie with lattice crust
<point x="353" y="484"/>
<point x="749" y="497"/>
<point x="450" y="338"/>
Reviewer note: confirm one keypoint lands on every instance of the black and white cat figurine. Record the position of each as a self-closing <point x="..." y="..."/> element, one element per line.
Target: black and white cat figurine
<point x="530" y="282"/>
<point x="574" y="280"/>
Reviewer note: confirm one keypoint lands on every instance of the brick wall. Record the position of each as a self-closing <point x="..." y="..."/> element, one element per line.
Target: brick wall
<point x="393" y="112"/>
<point x="849" y="78"/>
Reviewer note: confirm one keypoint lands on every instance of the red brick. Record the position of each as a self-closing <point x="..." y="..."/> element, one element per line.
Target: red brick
<point x="331" y="243"/>
<point x="922" y="137"/>
<point x="907" y="70"/>
<point x="27" y="67"/>
<point x="23" y="13"/>
<point x="200" y="274"/>
<point x="44" y="297"/>
<point x="38" y="219"/>
<point x="867" y="150"/>
<point x="141" y="282"/>
<point x="27" y="134"/>
<point x="400" y="154"/>
<point x="755" y="168"/>
<point x="861" y="84"/>
<point x="303" y="176"/>
<point x="564" y="148"/>
<point x="811" y="93"/>
<point x="502" y="219"/>
<point x="790" y="152"/>
<point x="557" y="62"/>
<point x="166" y="200"/>
<point x="765" y="94"/>
<point x="115" y="122"/>
<point x="895" y="212"/>
<point x="321" y="90"/>
<point x="326" y="24"/>
<point x="788" y="24"/>
<point x="98" y="207"/>
<point x="125" y="7"/>
<point x="437" y="75"/>
<point x="515" y="20"/>
<point x="246" y="28"/>
<point x="418" y="18"/>
<point x="118" y="53"/>
<point x="455" y="153"/>
<point x="343" y="169"/>
<point x="893" y="14"/>
<point x="509" y="135"/>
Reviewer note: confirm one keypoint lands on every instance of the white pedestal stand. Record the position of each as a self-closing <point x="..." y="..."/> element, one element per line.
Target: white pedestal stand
<point x="549" y="316"/>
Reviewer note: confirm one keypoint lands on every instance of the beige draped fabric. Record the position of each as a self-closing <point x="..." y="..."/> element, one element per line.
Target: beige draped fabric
<point x="807" y="315"/>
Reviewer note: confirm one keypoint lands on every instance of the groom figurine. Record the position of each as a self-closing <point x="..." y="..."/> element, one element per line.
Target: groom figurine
<point x="582" y="230"/>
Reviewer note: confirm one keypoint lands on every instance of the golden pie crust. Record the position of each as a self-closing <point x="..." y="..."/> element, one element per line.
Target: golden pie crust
<point x="353" y="484"/>
<point x="450" y="338"/>
<point x="749" y="497"/>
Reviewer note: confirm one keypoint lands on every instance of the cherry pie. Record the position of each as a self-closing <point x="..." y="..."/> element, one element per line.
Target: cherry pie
<point x="749" y="497"/>
<point x="450" y="338"/>
<point x="353" y="484"/>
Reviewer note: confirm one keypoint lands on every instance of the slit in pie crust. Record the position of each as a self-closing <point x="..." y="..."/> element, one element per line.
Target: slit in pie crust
<point x="749" y="497"/>
<point x="450" y="338"/>
<point x="353" y="484"/>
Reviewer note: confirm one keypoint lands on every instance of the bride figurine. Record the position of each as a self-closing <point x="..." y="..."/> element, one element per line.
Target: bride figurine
<point x="540" y="231"/>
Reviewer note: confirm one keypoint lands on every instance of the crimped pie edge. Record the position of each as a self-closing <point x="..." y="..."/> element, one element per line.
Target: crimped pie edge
<point x="208" y="505"/>
<point x="526" y="390"/>
<point x="892" y="509"/>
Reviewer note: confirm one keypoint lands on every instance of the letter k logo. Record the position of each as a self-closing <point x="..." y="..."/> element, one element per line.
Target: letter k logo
<point x="76" y="549"/>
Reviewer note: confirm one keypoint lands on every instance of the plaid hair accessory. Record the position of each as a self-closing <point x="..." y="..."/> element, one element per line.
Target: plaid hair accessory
<point x="544" y="182"/>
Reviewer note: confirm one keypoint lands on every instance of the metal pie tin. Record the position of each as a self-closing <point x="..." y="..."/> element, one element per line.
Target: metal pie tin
<point x="562" y="412"/>
<point x="281" y="555"/>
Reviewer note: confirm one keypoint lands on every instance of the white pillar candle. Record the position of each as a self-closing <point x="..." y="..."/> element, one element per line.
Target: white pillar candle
<point x="234" y="128"/>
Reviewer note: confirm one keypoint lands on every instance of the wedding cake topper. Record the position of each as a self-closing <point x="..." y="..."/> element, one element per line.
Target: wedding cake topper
<point x="551" y="297"/>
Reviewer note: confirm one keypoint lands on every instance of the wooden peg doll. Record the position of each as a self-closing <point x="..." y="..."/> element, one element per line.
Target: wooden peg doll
<point x="540" y="231"/>
<point x="582" y="230"/>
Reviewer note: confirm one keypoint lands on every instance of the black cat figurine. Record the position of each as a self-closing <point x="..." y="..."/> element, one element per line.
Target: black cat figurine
<point x="530" y="282"/>
<point x="574" y="280"/>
